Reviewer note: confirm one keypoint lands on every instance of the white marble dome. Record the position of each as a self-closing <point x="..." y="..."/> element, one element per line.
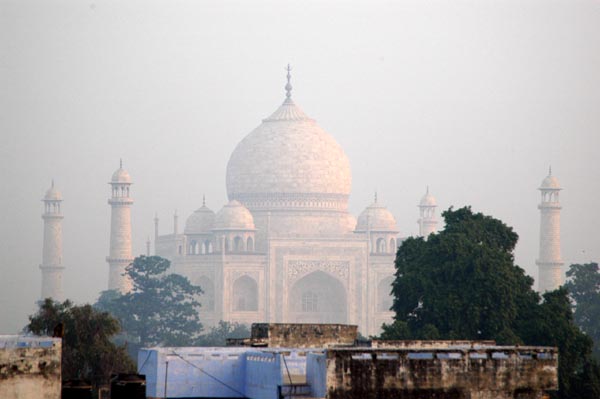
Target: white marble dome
<point x="289" y="161"/>
<point x="376" y="218"/>
<point x="121" y="176"/>
<point x="202" y="221"/>
<point x="550" y="182"/>
<point x="234" y="216"/>
<point x="428" y="200"/>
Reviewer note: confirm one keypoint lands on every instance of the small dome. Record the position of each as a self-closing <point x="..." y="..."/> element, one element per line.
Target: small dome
<point x="550" y="182"/>
<point x="428" y="200"/>
<point x="201" y="221"/>
<point x="234" y="216"/>
<point x="53" y="194"/>
<point x="120" y="175"/>
<point x="376" y="218"/>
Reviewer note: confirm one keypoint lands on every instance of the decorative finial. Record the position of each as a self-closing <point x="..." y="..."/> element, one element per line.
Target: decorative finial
<point x="427" y="192"/>
<point x="203" y="200"/>
<point x="288" y="86"/>
<point x="375" y="196"/>
<point x="52" y="183"/>
<point x="550" y="170"/>
<point x="120" y="163"/>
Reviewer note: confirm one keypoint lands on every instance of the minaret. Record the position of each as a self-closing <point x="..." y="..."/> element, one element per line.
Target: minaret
<point x="551" y="275"/>
<point x="427" y="221"/>
<point x="155" y="232"/>
<point x="120" y="231"/>
<point x="51" y="266"/>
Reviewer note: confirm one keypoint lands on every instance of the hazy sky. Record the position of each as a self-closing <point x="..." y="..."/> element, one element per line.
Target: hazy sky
<point x="473" y="98"/>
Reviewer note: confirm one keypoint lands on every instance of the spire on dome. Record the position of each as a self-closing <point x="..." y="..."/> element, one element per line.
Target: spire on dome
<point x="121" y="163"/>
<point x="550" y="170"/>
<point x="288" y="86"/>
<point x="375" y="196"/>
<point x="203" y="200"/>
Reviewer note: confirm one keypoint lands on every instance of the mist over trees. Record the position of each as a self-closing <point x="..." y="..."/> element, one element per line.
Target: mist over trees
<point x="584" y="290"/>
<point x="462" y="283"/>
<point x="160" y="310"/>
<point x="88" y="351"/>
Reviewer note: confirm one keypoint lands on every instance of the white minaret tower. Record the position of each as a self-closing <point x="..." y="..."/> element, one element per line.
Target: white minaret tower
<point x="427" y="221"/>
<point x="551" y="275"/>
<point x="51" y="266"/>
<point x="120" y="231"/>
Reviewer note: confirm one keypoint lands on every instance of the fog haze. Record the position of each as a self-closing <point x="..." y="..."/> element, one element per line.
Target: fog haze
<point x="474" y="99"/>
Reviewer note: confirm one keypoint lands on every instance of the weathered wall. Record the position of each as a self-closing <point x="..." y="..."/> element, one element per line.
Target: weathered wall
<point x="438" y="344"/>
<point x="485" y="373"/>
<point x="30" y="367"/>
<point x="284" y="335"/>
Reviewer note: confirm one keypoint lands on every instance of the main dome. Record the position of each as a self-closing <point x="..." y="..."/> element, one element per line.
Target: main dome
<point x="289" y="161"/>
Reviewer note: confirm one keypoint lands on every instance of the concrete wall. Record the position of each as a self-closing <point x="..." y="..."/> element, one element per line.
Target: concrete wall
<point x="485" y="373"/>
<point x="193" y="372"/>
<point x="263" y="375"/>
<point x="438" y="344"/>
<point x="316" y="374"/>
<point x="30" y="367"/>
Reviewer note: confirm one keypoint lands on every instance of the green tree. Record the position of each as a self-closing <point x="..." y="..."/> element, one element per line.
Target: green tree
<point x="160" y="310"/>
<point x="87" y="348"/>
<point x="218" y="335"/>
<point x="462" y="283"/>
<point x="584" y="289"/>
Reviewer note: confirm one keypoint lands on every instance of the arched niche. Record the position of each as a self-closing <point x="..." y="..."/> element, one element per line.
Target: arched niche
<point x="385" y="300"/>
<point x="245" y="294"/>
<point x="207" y="299"/>
<point x="318" y="298"/>
<point x="380" y="246"/>
<point x="238" y="244"/>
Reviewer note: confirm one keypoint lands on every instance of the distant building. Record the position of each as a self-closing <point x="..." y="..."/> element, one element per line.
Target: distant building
<point x="120" y="230"/>
<point x="550" y="263"/>
<point x="322" y="361"/>
<point x="427" y="221"/>
<point x="285" y="248"/>
<point x="52" y="253"/>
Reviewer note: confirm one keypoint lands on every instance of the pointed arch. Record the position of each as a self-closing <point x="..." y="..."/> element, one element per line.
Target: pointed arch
<point x="318" y="297"/>
<point x="385" y="300"/>
<point x="245" y="294"/>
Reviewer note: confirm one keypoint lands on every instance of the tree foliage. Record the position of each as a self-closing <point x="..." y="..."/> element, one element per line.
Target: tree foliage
<point x="87" y="349"/>
<point x="218" y="335"/>
<point x="462" y="283"/>
<point x="160" y="310"/>
<point x="584" y="289"/>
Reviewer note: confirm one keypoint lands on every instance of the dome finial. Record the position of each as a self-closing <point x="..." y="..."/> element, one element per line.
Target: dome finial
<point x="288" y="86"/>
<point x="203" y="200"/>
<point x="375" y="196"/>
<point x="550" y="170"/>
<point x="52" y="184"/>
<point x="120" y="163"/>
<point x="427" y="191"/>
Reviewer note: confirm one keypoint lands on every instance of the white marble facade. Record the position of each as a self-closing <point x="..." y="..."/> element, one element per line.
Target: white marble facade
<point x="285" y="248"/>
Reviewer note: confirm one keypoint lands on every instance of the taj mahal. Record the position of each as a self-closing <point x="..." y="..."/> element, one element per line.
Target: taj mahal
<point x="284" y="248"/>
